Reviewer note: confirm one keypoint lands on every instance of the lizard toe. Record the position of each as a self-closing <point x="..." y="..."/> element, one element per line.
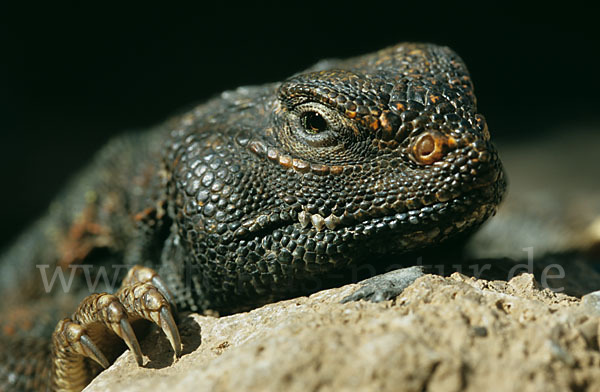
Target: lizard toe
<point x="145" y="301"/>
<point x="102" y="320"/>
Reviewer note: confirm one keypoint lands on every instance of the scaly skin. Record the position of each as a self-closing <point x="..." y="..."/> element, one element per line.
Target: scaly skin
<point x="251" y="195"/>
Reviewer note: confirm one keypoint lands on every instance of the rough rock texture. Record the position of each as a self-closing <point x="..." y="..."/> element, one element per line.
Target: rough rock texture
<point x="443" y="333"/>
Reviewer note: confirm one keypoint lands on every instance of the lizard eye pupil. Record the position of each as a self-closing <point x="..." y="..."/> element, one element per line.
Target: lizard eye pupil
<point x="314" y="123"/>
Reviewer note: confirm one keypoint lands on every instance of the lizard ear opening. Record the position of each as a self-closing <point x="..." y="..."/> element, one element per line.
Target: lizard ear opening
<point x="431" y="147"/>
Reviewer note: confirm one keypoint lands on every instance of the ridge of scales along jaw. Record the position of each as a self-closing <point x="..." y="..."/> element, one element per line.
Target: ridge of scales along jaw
<point x="333" y="222"/>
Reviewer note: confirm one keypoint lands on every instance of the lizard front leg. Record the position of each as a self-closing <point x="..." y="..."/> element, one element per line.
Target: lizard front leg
<point x="83" y="344"/>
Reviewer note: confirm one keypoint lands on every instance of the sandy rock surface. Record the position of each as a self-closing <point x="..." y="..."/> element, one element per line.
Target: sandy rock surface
<point x="442" y="334"/>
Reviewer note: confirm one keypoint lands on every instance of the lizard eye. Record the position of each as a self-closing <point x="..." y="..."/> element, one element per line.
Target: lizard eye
<point x="316" y="124"/>
<point x="313" y="122"/>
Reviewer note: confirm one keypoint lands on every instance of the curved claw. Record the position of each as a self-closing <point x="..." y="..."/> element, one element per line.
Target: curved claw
<point x="92" y="351"/>
<point x="143" y="295"/>
<point x="126" y="333"/>
<point x="170" y="330"/>
<point x="149" y="299"/>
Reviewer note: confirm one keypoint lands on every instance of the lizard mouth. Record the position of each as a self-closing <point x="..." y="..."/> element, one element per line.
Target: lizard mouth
<point x="439" y="218"/>
<point x="460" y="209"/>
<point x="457" y="206"/>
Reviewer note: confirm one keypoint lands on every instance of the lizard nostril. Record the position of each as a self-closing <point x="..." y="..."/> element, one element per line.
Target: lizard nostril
<point x="430" y="147"/>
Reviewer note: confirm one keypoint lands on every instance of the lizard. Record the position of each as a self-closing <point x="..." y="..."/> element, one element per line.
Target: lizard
<point x="239" y="201"/>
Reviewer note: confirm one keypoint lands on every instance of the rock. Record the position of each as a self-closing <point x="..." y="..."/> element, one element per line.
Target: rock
<point x="592" y="302"/>
<point x="442" y="334"/>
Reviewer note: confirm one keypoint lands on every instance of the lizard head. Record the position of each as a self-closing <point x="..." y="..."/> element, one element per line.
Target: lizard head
<point x="389" y="146"/>
<point x="380" y="153"/>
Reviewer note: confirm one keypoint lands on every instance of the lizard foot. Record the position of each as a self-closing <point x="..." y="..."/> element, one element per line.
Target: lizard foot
<point x="83" y="343"/>
<point x="385" y="286"/>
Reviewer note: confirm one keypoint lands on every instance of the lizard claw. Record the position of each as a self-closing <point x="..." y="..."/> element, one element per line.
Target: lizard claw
<point x="75" y="337"/>
<point x="145" y="301"/>
<point x="130" y="340"/>
<point x="101" y="320"/>
<point x="92" y="351"/>
<point x="170" y="329"/>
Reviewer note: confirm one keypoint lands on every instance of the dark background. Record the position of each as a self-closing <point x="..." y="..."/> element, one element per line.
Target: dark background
<point x="73" y="77"/>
